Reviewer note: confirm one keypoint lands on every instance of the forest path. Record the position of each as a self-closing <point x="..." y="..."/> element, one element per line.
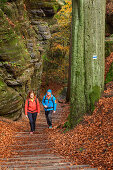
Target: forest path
<point x="34" y="152"/>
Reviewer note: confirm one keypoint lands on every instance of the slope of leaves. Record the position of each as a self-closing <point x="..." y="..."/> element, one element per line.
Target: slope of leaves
<point x="90" y="142"/>
<point x="8" y="128"/>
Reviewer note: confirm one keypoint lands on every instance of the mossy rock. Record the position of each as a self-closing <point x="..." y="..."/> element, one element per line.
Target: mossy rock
<point x="109" y="76"/>
<point x="108" y="46"/>
<point x="16" y="68"/>
<point x="8" y="10"/>
<point x="44" y="4"/>
<point x="12" y="48"/>
<point x="10" y="102"/>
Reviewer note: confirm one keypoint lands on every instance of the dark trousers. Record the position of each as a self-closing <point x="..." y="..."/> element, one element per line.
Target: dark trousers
<point x="48" y="115"/>
<point x="32" y="119"/>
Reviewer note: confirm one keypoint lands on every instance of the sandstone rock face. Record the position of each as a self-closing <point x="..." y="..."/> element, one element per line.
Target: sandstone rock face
<point x="109" y="17"/>
<point x="24" y="38"/>
<point x="41" y="14"/>
<point x="20" y="59"/>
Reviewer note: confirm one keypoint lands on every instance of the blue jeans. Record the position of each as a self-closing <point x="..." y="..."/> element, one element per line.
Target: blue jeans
<point x="48" y="115"/>
<point x="32" y="119"/>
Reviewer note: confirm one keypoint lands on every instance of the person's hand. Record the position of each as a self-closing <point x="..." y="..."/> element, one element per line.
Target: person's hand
<point x="38" y="114"/>
<point x="45" y="106"/>
<point x="26" y="116"/>
<point x="54" y="111"/>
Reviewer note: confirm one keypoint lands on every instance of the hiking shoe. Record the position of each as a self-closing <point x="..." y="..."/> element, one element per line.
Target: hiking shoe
<point x="50" y="127"/>
<point x="31" y="133"/>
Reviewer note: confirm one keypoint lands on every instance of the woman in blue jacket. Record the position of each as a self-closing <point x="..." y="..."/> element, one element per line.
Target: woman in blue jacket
<point x="49" y="103"/>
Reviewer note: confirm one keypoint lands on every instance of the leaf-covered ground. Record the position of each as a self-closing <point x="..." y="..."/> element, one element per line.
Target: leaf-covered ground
<point x="7" y="132"/>
<point x="90" y="142"/>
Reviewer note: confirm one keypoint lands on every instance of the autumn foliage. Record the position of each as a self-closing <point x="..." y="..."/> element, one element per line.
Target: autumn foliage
<point x="8" y="129"/>
<point x="90" y="142"/>
<point x="57" y="55"/>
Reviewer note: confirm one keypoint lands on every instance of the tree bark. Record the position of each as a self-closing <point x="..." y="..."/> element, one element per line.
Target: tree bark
<point x="87" y="61"/>
<point x="69" y="70"/>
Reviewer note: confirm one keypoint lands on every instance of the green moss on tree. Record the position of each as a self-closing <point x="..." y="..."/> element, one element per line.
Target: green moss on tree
<point x="87" y="73"/>
<point x="94" y="97"/>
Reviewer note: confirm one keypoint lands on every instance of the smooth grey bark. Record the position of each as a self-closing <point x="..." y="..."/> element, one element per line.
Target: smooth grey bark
<point x="87" y="74"/>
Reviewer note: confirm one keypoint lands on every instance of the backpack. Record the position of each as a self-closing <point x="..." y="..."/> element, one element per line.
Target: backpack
<point x="51" y="100"/>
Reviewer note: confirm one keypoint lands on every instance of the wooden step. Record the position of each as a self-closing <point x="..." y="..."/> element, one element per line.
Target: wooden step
<point x="35" y="152"/>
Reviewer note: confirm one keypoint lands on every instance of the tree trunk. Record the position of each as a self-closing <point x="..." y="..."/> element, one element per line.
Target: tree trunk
<point x="69" y="71"/>
<point x="87" y="63"/>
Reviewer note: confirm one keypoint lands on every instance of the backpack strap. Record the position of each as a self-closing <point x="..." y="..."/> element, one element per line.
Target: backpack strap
<point x="47" y="99"/>
<point x="28" y="103"/>
<point x="52" y="101"/>
<point x="36" y="102"/>
<point x="52" y="98"/>
<point x="44" y="98"/>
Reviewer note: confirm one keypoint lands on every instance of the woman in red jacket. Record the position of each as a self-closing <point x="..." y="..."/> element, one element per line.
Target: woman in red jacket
<point x="32" y="108"/>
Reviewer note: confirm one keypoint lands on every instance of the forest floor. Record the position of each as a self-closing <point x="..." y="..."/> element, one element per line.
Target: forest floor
<point x="90" y="142"/>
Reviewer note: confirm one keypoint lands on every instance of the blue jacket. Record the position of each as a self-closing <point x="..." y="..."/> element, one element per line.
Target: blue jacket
<point x="50" y="103"/>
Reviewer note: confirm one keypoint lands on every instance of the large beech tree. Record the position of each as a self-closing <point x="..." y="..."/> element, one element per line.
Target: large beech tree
<point x="87" y="56"/>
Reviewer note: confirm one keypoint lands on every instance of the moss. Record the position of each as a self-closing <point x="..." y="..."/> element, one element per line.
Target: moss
<point x="3" y="3"/>
<point x="1" y="13"/>
<point x="109" y="76"/>
<point x="72" y="121"/>
<point x="12" y="45"/>
<point x="7" y="10"/>
<point x="13" y="116"/>
<point x="94" y="97"/>
<point x="15" y="48"/>
<point x="1" y="83"/>
<point x="108" y="47"/>
<point x="67" y="125"/>
<point x="45" y="4"/>
<point x="16" y="34"/>
<point x="10" y="102"/>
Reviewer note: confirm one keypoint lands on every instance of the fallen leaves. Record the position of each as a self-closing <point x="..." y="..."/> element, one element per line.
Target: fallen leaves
<point x="8" y="129"/>
<point x="108" y="62"/>
<point x="90" y="142"/>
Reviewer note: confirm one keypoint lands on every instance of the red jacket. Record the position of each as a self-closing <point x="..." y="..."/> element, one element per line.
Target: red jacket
<point x="32" y="106"/>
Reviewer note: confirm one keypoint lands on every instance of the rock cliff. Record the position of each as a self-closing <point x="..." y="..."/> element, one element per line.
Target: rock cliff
<point x="24" y="35"/>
